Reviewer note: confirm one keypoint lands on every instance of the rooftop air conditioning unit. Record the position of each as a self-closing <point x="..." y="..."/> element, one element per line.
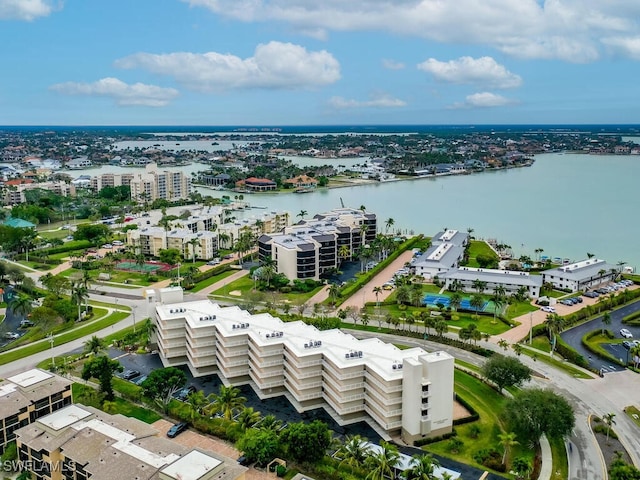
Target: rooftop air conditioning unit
<point x="346" y="355"/>
<point x="203" y="318"/>
<point x="268" y="335"/>
<point x="319" y="342"/>
<point x="213" y="317"/>
<point x="399" y="366"/>
<point x="233" y="326"/>
<point x="395" y="367"/>
<point x="171" y="310"/>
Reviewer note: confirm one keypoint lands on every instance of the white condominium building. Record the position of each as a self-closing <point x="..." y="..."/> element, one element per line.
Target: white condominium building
<point x="270" y="222"/>
<point x="407" y="392"/>
<point x="511" y="281"/>
<point x="581" y="275"/>
<point x="111" y="180"/>
<point x="154" y="184"/>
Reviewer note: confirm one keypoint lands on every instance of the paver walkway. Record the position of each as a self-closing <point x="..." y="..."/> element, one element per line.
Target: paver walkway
<point x="192" y="439"/>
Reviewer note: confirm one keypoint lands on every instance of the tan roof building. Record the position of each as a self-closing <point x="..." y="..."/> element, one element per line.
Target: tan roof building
<point x="28" y="396"/>
<point x="81" y="443"/>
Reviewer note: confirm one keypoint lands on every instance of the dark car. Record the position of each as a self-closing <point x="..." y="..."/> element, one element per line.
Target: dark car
<point x="129" y="374"/>
<point x="177" y="429"/>
<point x="184" y="393"/>
<point x="244" y="461"/>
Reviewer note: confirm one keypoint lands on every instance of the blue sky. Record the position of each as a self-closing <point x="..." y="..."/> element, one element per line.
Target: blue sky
<point x="308" y="62"/>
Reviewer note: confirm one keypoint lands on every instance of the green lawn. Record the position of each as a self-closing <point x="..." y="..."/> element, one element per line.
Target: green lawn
<point x="543" y="356"/>
<point x="87" y="395"/>
<point x="245" y="285"/>
<point x="211" y="280"/>
<point x="478" y="247"/>
<point x="489" y="404"/>
<point x="51" y="234"/>
<point x="69" y="336"/>
<point x="117" y="276"/>
<point x="519" y="308"/>
<point x="560" y="469"/>
<point x="552" y="293"/>
<point x="634" y="414"/>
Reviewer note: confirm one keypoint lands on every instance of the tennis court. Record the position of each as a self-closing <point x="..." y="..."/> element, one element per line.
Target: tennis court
<point x="431" y="300"/>
<point x="146" y="267"/>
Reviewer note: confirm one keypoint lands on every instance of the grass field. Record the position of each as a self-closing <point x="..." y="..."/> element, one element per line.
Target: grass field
<point x="478" y="247"/>
<point x="211" y="280"/>
<point x="87" y="395"/>
<point x="560" y="469"/>
<point x="489" y="405"/>
<point x="63" y="338"/>
<point x="543" y="356"/>
<point x="245" y="286"/>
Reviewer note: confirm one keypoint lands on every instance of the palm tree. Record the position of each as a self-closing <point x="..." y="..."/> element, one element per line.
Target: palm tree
<point x="247" y="418"/>
<point x="441" y="327"/>
<point x="334" y="293"/>
<point x="422" y="467"/>
<point x="344" y="252"/>
<point x="197" y="402"/>
<point x="554" y="323"/>
<point x="302" y="214"/>
<point x="194" y="242"/>
<point x="476" y="302"/>
<point x="502" y="343"/>
<point x="609" y="420"/>
<point x="94" y="345"/>
<point x="354" y="452"/>
<point x="270" y="422"/>
<point x="606" y="320"/>
<point x="470" y="232"/>
<point x="79" y="293"/>
<point x="268" y="270"/>
<point x="635" y="351"/>
<point x="455" y="300"/>
<point x="21" y="305"/>
<point x="227" y="401"/>
<point x="388" y="224"/>
<point x="377" y="291"/>
<point x="479" y="285"/>
<point x="382" y="463"/>
<point x="507" y="440"/>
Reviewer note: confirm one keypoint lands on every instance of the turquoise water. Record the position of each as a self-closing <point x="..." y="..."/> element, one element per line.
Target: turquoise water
<point x="566" y="204"/>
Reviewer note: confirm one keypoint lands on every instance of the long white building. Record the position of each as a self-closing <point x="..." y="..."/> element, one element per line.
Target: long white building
<point x="511" y="281"/>
<point x="396" y="391"/>
<point x="581" y="275"/>
<point x="154" y="184"/>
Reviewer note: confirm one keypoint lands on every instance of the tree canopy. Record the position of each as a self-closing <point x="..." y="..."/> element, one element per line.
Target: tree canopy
<point x="102" y="368"/>
<point x="535" y="411"/>
<point x="259" y="446"/>
<point x="307" y="441"/>
<point x="161" y="384"/>
<point x="506" y="371"/>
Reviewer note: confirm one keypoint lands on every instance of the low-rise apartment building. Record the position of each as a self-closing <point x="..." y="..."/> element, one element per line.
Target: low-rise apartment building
<point x="268" y="222"/>
<point x="581" y="275"/>
<point x="84" y="443"/>
<point x="99" y="182"/>
<point x="407" y="392"/>
<point x="28" y="396"/>
<point x="311" y="248"/>
<point x="465" y="277"/>
<point x="15" y="194"/>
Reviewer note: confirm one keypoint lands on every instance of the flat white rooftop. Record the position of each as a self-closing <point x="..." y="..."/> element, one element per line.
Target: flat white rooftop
<point x="192" y="466"/>
<point x="30" y="377"/>
<point x="64" y="417"/>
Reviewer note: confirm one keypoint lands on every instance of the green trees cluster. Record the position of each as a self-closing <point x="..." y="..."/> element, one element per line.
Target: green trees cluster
<point x="103" y="368"/>
<point x="506" y="371"/>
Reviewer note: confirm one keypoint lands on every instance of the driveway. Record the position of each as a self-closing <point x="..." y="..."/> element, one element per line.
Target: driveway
<point x="192" y="439"/>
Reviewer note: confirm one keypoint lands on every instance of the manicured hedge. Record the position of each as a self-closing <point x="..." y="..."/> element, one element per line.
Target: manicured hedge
<point x="68" y="247"/>
<point x="363" y="279"/>
<point x="633" y="319"/>
<point x="471" y="418"/>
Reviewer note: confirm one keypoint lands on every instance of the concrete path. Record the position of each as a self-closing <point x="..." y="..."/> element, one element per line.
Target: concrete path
<point x="222" y="283"/>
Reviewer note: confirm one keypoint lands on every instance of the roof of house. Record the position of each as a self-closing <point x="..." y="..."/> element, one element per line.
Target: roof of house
<point x="444" y="255"/>
<point x="493" y="276"/>
<point x="258" y="181"/>
<point x="18" y="223"/>
<point x="18" y="181"/>
<point x="582" y="270"/>
<point x="455" y="237"/>
<point x="301" y="179"/>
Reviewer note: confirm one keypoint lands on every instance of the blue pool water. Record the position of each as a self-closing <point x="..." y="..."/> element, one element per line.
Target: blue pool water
<point x="432" y="300"/>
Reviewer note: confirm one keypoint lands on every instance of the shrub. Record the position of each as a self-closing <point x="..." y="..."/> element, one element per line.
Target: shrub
<point x="281" y="471"/>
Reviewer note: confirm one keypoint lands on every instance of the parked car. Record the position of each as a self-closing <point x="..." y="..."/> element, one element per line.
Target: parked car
<point x="108" y="246"/>
<point x="548" y="309"/>
<point x="184" y="393"/>
<point x="139" y="380"/>
<point x="26" y="324"/>
<point x="626" y="333"/>
<point x="215" y="261"/>
<point x="177" y="429"/>
<point x="130" y="374"/>
<point x="244" y="461"/>
<point x="229" y="256"/>
<point x="11" y="335"/>
<point x="627" y="344"/>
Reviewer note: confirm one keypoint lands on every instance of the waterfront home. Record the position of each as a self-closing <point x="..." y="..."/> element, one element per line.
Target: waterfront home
<point x="302" y="181"/>
<point x="254" y="184"/>
<point x="438" y="259"/>
<point x="79" y="163"/>
<point x="582" y="275"/>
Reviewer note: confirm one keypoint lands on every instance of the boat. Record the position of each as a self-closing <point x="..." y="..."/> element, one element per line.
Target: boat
<point x="303" y="190"/>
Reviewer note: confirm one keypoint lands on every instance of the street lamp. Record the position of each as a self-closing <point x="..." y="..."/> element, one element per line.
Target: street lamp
<point x="530" y="328"/>
<point x="133" y="310"/>
<point x="51" y="341"/>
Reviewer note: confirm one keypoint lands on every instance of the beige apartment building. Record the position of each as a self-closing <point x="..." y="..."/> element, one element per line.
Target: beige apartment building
<point x="407" y="392"/>
<point x="154" y="184"/>
<point x="84" y="443"/>
<point x="111" y="180"/>
<point x="26" y="397"/>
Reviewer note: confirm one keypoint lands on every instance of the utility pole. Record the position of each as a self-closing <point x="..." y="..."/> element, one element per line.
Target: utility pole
<point x="52" y="341"/>
<point x="133" y="310"/>
<point x="530" y="328"/>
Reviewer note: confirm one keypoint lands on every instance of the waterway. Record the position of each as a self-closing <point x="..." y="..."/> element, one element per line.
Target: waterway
<point x="566" y="204"/>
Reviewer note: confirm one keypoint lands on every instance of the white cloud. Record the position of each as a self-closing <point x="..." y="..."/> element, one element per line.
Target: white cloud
<point x="484" y="100"/>
<point x="377" y="101"/>
<point x="570" y="30"/>
<point x="392" y="64"/>
<point x="483" y="71"/>
<point x="626" y="46"/>
<point x="24" y="9"/>
<point x="274" y="65"/>
<point x="121" y="92"/>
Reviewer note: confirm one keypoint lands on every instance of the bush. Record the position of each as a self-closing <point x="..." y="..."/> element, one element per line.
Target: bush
<point x="425" y="441"/>
<point x="281" y="471"/>
<point x="633" y="319"/>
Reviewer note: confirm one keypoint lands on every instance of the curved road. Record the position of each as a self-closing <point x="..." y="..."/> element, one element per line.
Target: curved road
<point x="574" y="335"/>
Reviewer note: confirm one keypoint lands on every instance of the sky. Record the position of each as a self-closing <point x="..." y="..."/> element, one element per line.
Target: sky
<point x="311" y="62"/>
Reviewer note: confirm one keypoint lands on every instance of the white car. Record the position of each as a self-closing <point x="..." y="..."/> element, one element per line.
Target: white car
<point x="626" y="333"/>
<point x="548" y="309"/>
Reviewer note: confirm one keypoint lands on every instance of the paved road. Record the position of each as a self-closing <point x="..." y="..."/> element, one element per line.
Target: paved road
<point x="574" y="336"/>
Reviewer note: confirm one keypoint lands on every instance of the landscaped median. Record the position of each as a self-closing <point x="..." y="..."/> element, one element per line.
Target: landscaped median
<point x="63" y="338"/>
